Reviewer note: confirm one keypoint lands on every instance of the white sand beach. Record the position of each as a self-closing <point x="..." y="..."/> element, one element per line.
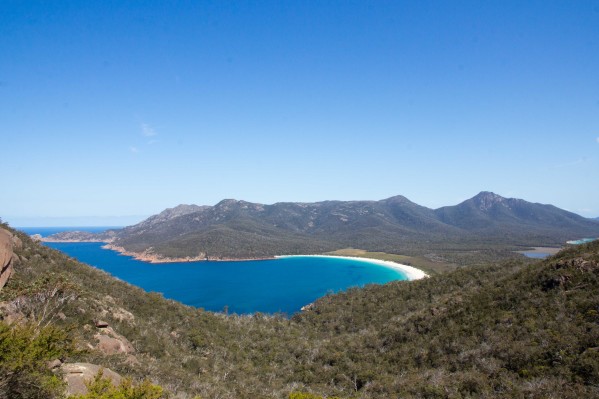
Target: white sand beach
<point x="411" y="272"/>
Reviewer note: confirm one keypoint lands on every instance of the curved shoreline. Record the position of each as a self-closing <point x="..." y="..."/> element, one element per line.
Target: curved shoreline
<point x="148" y="256"/>
<point x="410" y="272"/>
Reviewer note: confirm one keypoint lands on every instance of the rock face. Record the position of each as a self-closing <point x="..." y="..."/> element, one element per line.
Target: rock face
<point x="77" y="374"/>
<point x="7" y="257"/>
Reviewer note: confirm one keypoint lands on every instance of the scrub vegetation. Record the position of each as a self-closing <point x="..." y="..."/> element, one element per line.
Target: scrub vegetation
<point x="518" y="328"/>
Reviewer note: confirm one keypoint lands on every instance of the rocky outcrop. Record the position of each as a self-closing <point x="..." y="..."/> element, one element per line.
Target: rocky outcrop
<point x="112" y="343"/>
<point x="54" y="364"/>
<point x="8" y="243"/>
<point x="10" y="314"/>
<point x="100" y="324"/>
<point x="77" y="374"/>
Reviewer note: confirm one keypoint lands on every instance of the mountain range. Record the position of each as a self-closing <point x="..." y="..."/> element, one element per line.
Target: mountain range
<point x="234" y="229"/>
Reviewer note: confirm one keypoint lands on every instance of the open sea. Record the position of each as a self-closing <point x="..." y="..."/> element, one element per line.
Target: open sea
<point x="269" y="286"/>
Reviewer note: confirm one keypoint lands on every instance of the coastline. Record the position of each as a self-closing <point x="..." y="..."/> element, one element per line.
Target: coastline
<point x="149" y="256"/>
<point x="410" y="272"/>
<point x="47" y="239"/>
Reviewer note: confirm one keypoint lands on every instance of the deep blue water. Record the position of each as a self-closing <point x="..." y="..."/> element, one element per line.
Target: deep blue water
<point x="268" y="286"/>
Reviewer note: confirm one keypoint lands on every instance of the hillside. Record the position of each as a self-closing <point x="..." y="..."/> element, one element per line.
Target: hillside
<point x="489" y="213"/>
<point x="516" y="329"/>
<point x="240" y="229"/>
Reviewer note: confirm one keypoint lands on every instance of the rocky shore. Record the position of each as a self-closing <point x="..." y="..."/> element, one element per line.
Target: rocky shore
<point x="151" y="257"/>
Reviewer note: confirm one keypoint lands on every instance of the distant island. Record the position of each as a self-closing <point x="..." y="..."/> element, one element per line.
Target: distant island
<point x="233" y="230"/>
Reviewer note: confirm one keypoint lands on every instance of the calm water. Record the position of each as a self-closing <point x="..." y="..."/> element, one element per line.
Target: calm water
<point x="268" y="286"/>
<point x="536" y="255"/>
<point x="46" y="231"/>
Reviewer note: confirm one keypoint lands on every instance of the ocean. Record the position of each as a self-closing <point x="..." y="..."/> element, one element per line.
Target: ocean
<point x="47" y="231"/>
<point x="281" y="285"/>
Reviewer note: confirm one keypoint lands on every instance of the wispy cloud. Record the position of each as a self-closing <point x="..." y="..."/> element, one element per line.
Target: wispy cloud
<point x="148" y="130"/>
<point x="150" y="133"/>
<point x="576" y="162"/>
<point x="598" y="140"/>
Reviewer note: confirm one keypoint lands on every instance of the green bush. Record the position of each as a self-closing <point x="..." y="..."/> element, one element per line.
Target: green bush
<point x="24" y="353"/>
<point x="102" y="388"/>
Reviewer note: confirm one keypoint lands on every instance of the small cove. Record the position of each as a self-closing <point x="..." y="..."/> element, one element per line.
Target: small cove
<point x="540" y="252"/>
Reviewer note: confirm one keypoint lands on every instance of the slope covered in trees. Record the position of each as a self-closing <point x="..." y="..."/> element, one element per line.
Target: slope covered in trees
<point x="514" y="329"/>
<point x="240" y="229"/>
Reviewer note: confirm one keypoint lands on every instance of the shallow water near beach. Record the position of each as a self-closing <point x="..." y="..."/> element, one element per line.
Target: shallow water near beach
<point x="280" y="285"/>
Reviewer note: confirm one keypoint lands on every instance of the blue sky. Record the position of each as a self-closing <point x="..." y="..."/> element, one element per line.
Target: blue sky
<point x="110" y="111"/>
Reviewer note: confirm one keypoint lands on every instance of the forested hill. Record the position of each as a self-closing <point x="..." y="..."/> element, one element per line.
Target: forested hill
<point x="240" y="229"/>
<point x="518" y="329"/>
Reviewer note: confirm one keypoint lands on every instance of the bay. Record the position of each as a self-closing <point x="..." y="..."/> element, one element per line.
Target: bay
<point x="281" y="285"/>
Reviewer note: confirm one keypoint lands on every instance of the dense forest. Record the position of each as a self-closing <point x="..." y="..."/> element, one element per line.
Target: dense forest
<point x="518" y="328"/>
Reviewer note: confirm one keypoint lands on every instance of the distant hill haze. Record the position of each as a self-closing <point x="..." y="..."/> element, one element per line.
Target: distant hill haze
<point x="240" y="229"/>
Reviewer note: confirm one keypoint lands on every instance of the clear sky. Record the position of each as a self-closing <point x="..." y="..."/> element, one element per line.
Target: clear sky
<point x="112" y="109"/>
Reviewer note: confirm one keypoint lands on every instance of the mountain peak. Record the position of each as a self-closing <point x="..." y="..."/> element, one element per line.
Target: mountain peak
<point x="400" y="199"/>
<point x="227" y="201"/>
<point x="179" y="210"/>
<point x="488" y="194"/>
<point x="184" y="208"/>
<point x="487" y="199"/>
<point x="230" y="204"/>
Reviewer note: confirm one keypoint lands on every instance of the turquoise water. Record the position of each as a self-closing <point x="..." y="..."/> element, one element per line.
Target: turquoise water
<point x="582" y="241"/>
<point x="269" y="286"/>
